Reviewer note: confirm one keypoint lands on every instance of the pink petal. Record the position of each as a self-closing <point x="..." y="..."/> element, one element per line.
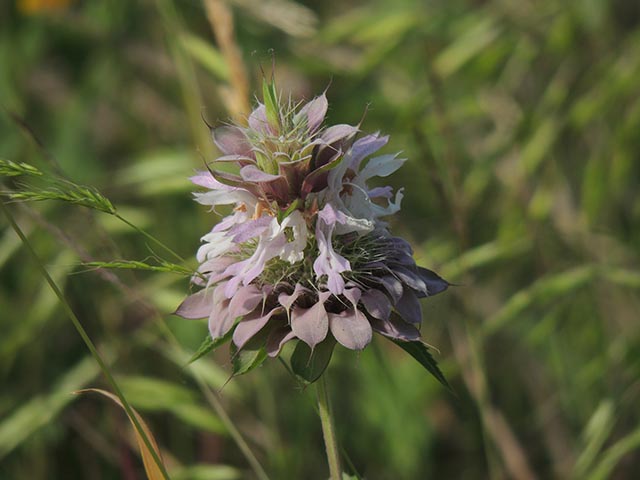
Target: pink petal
<point x="245" y="300"/>
<point x="288" y="300"/>
<point x="252" y="228"/>
<point x="351" y="329"/>
<point x="231" y="141"/>
<point x="258" y="120"/>
<point x="220" y="322"/>
<point x="251" y="325"/>
<point x="315" y="111"/>
<point x="311" y="324"/>
<point x="251" y="173"/>
<point x="364" y="147"/>
<point x="196" y="306"/>
<point x="353" y="295"/>
<point x="338" y="132"/>
<point x="381" y="192"/>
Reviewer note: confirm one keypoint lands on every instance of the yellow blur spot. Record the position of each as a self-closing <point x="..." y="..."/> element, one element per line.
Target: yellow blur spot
<point x="31" y="7"/>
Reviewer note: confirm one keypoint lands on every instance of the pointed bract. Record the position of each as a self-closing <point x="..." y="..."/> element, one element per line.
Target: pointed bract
<point x="311" y="324"/>
<point x="351" y="329"/>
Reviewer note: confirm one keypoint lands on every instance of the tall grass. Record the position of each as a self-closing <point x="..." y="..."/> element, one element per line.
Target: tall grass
<point x="520" y="121"/>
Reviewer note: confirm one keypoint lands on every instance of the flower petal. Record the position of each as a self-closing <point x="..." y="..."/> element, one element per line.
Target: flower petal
<point x="315" y="112"/>
<point x="231" y="141"/>
<point x="381" y="166"/>
<point x="328" y="261"/>
<point x="252" y="228"/>
<point x="393" y="286"/>
<point x="287" y="301"/>
<point x="215" y="245"/>
<point x="353" y="295"/>
<point x="338" y="132"/>
<point x="245" y="300"/>
<point x="196" y="306"/>
<point x="365" y="146"/>
<point x="435" y="283"/>
<point x="395" y="327"/>
<point x="311" y="324"/>
<point x="381" y="192"/>
<point x="250" y="325"/>
<point x="219" y="320"/>
<point x="351" y="329"/>
<point x="251" y="173"/>
<point x="409" y="307"/>
<point x="376" y="303"/>
<point x="258" y="120"/>
<point x="410" y="277"/>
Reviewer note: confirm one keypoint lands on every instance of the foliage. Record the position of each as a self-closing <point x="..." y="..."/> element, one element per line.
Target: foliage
<point x="519" y="120"/>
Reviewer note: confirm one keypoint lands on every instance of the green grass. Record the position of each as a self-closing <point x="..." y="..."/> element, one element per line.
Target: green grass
<point x="519" y="120"/>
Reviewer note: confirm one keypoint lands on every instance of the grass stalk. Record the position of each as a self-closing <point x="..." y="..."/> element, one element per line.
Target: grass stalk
<point x="328" y="429"/>
<point x="85" y="337"/>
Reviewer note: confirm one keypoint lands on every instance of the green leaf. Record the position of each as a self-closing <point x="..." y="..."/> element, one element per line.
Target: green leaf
<point x="208" y="472"/>
<point x="294" y="205"/>
<point x="309" y="364"/>
<point x="247" y="359"/>
<point x="205" y="54"/>
<point x="420" y="352"/>
<point x="209" y="345"/>
<point x="43" y="409"/>
<point x="153" y="394"/>
<point x="270" y="99"/>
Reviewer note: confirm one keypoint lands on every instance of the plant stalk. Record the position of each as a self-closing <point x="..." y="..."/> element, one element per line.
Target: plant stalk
<point x="328" y="430"/>
<point x="85" y="337"/>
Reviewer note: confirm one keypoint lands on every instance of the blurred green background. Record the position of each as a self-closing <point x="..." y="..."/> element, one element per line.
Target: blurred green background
<point x="521" y="121"/>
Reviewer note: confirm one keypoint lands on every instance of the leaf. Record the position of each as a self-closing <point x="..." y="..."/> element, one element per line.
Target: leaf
<point x="612" y="456"/>
<point x="209" y="345"/>
<point x="205" y="54"/>
<point x="246" y="359"/>
<point x="270" y="99"/>
<point x="309" y="364"/>
<point x="467" y="46"/>
<point x="208" y="472"/>
<point x="153" y="394"/>
<point x="542" y="291"/>
<point x="41" y="410"/>
<point x="151" y="468"/>
<point x="420" y="352"/>
<point x="594" y="436"/>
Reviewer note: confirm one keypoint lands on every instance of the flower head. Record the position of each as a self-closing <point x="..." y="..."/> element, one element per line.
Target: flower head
<point x="305" y="253"/>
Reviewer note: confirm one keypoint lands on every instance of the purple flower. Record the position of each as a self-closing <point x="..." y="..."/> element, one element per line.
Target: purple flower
<point x="305" y="254"/>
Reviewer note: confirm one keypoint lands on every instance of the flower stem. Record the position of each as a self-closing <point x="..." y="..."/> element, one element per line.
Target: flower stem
<point x="328" y="430"/>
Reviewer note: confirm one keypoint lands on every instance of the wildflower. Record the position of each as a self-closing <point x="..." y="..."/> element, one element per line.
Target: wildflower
<point x="305" y="253"/>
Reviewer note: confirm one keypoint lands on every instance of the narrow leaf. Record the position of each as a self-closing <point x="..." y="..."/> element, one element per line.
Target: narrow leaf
<point x="209" y="345"/>
<point x="420" y="352"/>
<point x="245" y="360"/>
<point x="152" y="470"/>
<point x="270" y="99"/>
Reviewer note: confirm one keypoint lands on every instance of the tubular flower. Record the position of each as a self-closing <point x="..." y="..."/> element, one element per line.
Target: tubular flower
<point x="305" y="254"/>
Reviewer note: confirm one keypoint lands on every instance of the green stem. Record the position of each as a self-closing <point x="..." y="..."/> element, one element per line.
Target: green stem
<point x="85" y="337"/>
<point x="328" y="430"/>
<point x="149" y="236"/>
